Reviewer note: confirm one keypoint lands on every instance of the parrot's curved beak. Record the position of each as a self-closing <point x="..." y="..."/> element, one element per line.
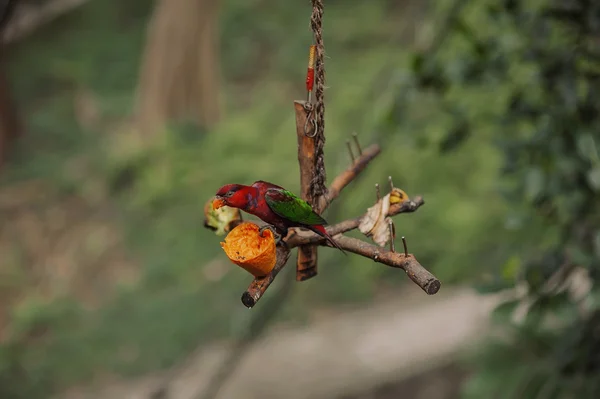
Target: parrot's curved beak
<point x="217" y="203"/>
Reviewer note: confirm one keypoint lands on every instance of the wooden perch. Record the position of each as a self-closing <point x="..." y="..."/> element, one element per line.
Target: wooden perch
<point x="306" y="264"/>
<point x="407" y="262"/>
<point x="258" y="287"/>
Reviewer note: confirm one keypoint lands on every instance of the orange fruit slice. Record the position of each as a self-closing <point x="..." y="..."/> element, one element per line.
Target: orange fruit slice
<point x="246" y="248"/>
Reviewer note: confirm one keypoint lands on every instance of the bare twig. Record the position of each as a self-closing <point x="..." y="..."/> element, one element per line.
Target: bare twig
<point x="392" y="236"/>
<point x="417" y="273"/>
<point x="357" y="143"/>
<point x="352" y="159"/>
<point x="258" y="287"/>
<point x="348" y="175"/>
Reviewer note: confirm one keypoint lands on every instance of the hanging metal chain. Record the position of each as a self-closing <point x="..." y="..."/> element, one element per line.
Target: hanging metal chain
<point x="317" y="186"/>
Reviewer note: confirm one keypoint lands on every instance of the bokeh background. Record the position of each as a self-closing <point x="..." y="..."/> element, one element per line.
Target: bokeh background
<point x="120" y="119"/>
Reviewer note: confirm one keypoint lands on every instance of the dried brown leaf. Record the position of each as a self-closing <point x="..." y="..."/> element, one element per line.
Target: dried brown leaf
<point x="375" y="223"/>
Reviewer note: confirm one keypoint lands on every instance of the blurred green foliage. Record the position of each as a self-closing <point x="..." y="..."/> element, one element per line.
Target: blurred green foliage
<point x="155" y="190"/>
<point x="529" y="82"/>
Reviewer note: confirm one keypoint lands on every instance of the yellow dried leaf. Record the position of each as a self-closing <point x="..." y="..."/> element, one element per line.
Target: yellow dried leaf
<point x="398" y="196"/>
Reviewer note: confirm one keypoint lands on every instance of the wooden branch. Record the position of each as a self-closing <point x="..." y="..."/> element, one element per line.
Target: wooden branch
<point x="306" y="263"/>
<point x="417" y="273"/>
<point x="349" y="175"/>
<point x="308" y="237"/>
<point x="259" y="285"/>
<point x="297" y="238"/>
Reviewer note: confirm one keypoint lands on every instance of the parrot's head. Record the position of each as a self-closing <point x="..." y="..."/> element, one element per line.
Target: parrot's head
<point x="233" y="195"/>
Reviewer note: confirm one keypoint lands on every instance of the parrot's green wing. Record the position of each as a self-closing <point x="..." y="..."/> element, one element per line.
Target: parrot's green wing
<point x="292" y="208"/>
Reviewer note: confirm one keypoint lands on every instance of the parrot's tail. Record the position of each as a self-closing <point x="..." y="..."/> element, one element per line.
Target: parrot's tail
<point x="320" y="230"/>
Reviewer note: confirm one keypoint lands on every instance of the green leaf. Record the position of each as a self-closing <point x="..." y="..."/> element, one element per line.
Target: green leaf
<point x="535" y="313"/>
<point x="593" y="177"/>
<point x="534" y="183"/>
<point x="502" y="314"/>
<point x="417" y="63"/>
<point x="510" y="268"/>
<point x="534" y="277"/>
<point x="594" y="298"/>
<point x="455" y="137"/>
<point x="586" y="146"/>
<point x="556" y="303"/>
<point x="580" y="256"/>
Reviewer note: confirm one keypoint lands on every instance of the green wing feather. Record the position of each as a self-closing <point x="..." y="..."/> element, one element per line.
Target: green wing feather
<point x="285" y="204"/>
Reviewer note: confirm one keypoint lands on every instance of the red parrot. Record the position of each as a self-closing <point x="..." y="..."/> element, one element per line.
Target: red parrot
<point x="273" y="204"/>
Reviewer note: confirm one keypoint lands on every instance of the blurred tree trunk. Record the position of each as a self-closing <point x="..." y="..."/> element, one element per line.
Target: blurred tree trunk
<point x="10" y="123"/>
<point x="179" y="77"/>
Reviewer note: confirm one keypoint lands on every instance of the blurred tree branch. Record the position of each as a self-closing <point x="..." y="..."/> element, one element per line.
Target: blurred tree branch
<point x="345" y="178"/>
<point x="29" y="15"/>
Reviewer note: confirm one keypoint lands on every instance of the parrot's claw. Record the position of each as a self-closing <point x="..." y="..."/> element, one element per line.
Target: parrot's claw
<point x="280" y="241"/>
<point x="278" y="237"/>
<point x="267" y="227"/>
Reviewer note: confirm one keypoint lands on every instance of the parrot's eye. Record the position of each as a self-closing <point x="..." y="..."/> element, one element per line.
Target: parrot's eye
<point x="229" y="193"/>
